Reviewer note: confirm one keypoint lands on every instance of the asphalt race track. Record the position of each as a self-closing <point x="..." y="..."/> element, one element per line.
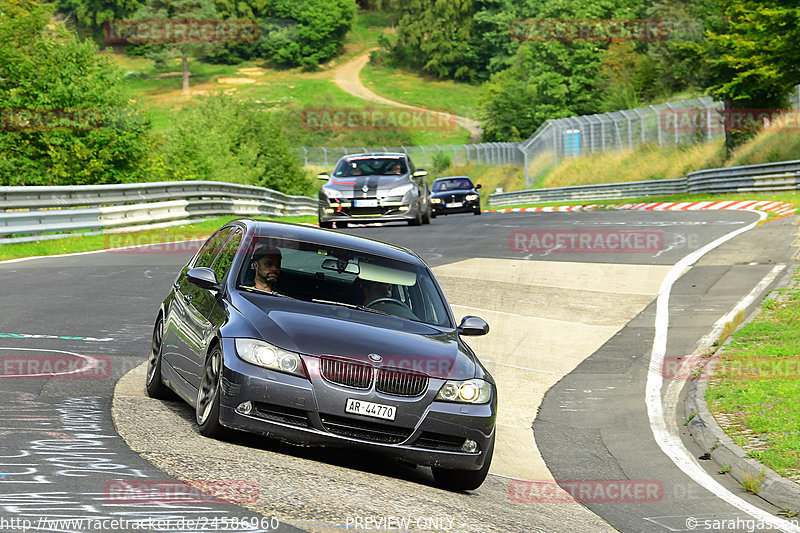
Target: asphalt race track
<point x="572" y="331"/>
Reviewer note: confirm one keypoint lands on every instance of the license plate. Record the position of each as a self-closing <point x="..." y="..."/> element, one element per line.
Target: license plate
<point x="375" y="410"/>
<point x="366" y="203"/>
<point x="453" y="204"/>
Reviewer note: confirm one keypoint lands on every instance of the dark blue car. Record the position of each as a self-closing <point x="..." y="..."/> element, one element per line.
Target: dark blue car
<point x="455" y="194"/>
<point x="316" y="337"/>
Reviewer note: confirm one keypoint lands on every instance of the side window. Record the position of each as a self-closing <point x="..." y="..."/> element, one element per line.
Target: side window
<point x="225" y="258"/>
<point x="209" y="251"/>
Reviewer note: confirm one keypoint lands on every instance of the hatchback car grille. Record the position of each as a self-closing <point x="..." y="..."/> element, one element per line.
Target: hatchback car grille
<point x="370" y="431"/>
<point x="366" y="211"/>
<point x="401" y="383"/>
<point x="355" y="375"/>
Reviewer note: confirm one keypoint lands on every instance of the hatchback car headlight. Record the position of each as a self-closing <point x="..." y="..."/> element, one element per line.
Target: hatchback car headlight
<point x="469" y="391"/>
<point x="471" y="197"/>
<point x="401" y="190"/>
<point x="331" y="192"/>
<point x="436" y="200"/>
<point x="265" y="354"/>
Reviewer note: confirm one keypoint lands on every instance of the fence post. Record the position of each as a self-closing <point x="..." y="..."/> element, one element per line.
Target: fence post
<point x="658" y="123"/>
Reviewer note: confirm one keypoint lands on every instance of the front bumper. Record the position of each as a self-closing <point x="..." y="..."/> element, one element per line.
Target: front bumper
<point x="392" y="209"/>
<point x="467" y="207"/>
<point x="311" y="412"/>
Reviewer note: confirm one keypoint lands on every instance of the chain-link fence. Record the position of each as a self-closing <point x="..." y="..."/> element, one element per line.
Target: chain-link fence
<point x="670" y="124"/>
<point x="494" y="154"/>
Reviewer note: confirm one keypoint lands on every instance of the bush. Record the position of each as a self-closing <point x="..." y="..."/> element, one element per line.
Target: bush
<point x="223" y="139"/>
<point x="45" y="68"/>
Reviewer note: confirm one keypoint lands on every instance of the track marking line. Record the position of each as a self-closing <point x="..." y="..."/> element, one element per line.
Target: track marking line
<point x="666" y="436"/>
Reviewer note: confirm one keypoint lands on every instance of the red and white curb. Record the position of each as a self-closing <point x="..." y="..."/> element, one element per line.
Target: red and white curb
<point x="779" y="208"/>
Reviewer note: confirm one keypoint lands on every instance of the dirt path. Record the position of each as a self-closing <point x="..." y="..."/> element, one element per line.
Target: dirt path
<point x="347" y="77"/>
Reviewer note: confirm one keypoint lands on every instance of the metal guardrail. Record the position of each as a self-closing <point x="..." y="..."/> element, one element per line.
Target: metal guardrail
<point x="36" y="213"/>
<point x="769" y="177"/>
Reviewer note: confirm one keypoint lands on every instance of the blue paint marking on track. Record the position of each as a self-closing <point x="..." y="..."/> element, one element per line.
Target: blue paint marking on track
<point x="60" y="337"/>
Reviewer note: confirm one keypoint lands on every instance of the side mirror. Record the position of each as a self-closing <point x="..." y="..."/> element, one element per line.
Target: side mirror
<point x="323" y="176"/>
<point x="473" y="325"/>
<point x="420" y="173"/>
<point x="203" y="277"/>
<point x="478" y="186"/>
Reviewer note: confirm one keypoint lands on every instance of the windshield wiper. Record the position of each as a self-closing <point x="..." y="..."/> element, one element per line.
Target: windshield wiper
<point x="351" y="306"/>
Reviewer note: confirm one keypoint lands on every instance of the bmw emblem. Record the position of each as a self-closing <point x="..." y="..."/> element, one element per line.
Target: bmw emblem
<point x="364" y="189"/>
<point x="375" y="357"/>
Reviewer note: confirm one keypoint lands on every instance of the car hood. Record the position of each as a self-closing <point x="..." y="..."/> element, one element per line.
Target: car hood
<point x="327" y="330"/>
<point x="354" y="186"/>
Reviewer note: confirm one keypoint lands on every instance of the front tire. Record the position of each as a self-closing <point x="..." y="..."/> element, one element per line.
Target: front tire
<point x="153" y="385"/>
<point x="416" y="221"/>
<point x="207" y="409"/>
<point x="426" y="218"/>
<point x="326" y="225"/>
<point x="478" y="211"/>
<point x="453" y="479"/>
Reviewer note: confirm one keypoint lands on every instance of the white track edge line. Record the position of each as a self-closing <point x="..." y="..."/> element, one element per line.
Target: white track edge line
<point x="668" y="441"/>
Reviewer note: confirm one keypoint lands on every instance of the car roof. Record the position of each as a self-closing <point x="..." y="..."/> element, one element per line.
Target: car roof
<point x="375" y="154"/>
<point x="313" y="234"/>
<point x="452" y="178"/>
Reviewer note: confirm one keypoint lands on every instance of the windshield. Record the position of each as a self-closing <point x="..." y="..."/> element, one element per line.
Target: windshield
<point x="452" y="184"/>
<point x="371" y="166"/>
<point x="336" y="276"/>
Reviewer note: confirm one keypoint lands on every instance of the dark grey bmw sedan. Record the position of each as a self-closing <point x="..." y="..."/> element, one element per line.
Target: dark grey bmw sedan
<point x="316" y="337"/>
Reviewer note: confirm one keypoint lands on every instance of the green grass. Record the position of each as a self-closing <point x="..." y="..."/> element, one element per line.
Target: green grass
<point x="410" y="88"/>
<point x="199" y="230"/>
<point x="764" y="403"/>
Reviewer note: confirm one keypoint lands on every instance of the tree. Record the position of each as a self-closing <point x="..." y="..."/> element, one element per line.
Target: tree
<point x="753" y="61"/>
<point x="92" y="14"/>
<point x="292" y="32"/>
<point x="178" y="10"/>
<point x="435" y="35"/>
<point x="65" y="115"/>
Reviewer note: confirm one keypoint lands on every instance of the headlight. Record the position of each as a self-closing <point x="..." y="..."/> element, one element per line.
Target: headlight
<point x="470" y="391"/>
<point x="471" y="197"/>
<point x="331" y="192"/>
<point x="436" y="200"/>
<point x="264" y="354"/>
<point x="401" y="190"/>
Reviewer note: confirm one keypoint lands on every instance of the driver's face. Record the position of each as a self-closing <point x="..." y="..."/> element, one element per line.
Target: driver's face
<point x="268" y="268"/>
<point x="373" y="291"/>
